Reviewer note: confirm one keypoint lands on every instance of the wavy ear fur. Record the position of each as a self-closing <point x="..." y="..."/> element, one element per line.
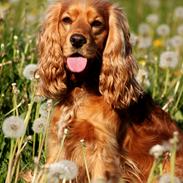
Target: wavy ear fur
<point x="51" y="65"/>
<point x="117" y="81"/>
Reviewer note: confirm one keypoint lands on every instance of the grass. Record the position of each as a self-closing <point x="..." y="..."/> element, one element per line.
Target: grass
<point x="19" y="26"/>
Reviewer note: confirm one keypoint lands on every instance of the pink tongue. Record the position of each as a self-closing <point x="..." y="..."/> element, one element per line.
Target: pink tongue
<point x="76" y="64"/>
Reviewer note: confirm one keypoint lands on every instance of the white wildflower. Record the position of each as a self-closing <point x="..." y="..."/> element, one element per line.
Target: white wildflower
<point x="29" y="71"/>
<point x="2" y="46"/>
<point x="175" y="42"/>
<point x="168" y="59"/>
<point x="13" y="1"/>
<point x="152" y="19"/>
<point x="13" y="127"/>
<point x="39" y="125"/>
<point x="157" y="151"/>
<point x="163" y="30"/>
<point x="144" y="29"/>
<point x="144" y="42"/>
<point x="15" y="37"/>
<point x="63" y="169"/>
<point x="142" y="77"/>
<point x="39" y="98"/>
<point x="167" y="146"/>
<point x="180" y="30"/>
<point x="178" y="13"/>
<point x="154" y="4"/>
<point x="166" y="178"/>
<point x="43" y="110"/>
<point x="133" y="39"/>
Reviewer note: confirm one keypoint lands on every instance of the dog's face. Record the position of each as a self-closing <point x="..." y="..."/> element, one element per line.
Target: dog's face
<point x="83" y="30"/>
<point x="77" y="32"/>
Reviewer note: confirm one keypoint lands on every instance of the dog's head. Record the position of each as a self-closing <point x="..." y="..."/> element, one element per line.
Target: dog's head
<point x="78" y="32"/>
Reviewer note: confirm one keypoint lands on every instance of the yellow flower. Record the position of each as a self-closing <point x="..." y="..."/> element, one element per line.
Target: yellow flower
<point x="158" y="43"/>
<point x="142" y="62"/>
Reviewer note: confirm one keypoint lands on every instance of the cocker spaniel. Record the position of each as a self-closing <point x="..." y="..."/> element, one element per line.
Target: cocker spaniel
<point x="86" y="64"/>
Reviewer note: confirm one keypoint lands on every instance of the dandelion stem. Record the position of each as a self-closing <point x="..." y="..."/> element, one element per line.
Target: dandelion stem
<point x="155" y="83"/>
<point x="84" y="158"/>
<point x="64" y="181"/>
<point x="174" y="141"/>
<point x="178" y="99"/>
<point x="11" y="157"/>
<point x="151" y="174"/>
<point x="62" y="144"/>
<point x="17" y="172"/>
<point x="166" y="82"/>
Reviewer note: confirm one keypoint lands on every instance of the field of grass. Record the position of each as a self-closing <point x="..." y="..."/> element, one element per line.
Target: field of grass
<point x="157" y="37"/>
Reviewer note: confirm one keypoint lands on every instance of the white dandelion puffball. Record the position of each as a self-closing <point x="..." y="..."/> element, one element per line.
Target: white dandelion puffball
<point x="180" y="29"/>
<point x="43" y="110"/>
<point x="176" y="41"/>
<point x="64" y="169"/>
<point x="133" y="39"/>
<point x="142" y="77"/>
<point x="29" y="71"/>
<point x="157" y="150"/>
<point x="39" y="125"/>
<point x="152" y="19"/>
<point x="154" y="4"/>
<point x="167" y="179"/>
<point x="144" y="29"/>
<point x="13" y="127"/>
<point x="163" y="30"/>
<point x="144" y="42"/>
<point x="178" y="13"/>
<point x="168" y="59"/>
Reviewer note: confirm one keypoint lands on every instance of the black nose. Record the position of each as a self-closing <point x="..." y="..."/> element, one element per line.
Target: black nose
<point x="77" y="40"/>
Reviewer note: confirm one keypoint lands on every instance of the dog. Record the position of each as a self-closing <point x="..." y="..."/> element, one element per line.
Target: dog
<point x="86" y="63"/>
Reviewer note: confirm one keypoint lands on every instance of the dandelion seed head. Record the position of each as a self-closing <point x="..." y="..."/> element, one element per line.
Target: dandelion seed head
<point x="154" y="4"/>
<point x="13" y="127"/>
<point x="144" y="42"/>
<point x="64" y="169"/>
<point x="180" y="30"/>
<point x="29" y="71"/>
<point x="2" y="46"/>
<point x="142" y="77"/>
<point x="133" y="39"/>
<point x="157" y="151"/>
<point x="38" y="98"/>
<point x="175" y="42"/>
<point x="152" y="19"/>
<point x="178" y="13"/>
<point x="163" y="30"/>
<point x="166" y="178"/>
<point x="15" y="37"/>
<point x="144" y="29"/>
<point x="39" y="125"/>
<point x="168" y="59"/>
<point x="43" y="110"/>
<point x="49" y="104"/>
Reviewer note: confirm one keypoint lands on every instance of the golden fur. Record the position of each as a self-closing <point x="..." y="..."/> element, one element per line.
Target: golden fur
<point x="104" y="104"/>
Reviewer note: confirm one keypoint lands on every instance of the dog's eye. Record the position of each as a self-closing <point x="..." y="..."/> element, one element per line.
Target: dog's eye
<point x="67" y="20"/>
<point x="96" y="23"/>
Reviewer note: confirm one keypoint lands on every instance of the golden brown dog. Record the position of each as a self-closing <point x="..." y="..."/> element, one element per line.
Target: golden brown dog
<point x="86" y="63"/>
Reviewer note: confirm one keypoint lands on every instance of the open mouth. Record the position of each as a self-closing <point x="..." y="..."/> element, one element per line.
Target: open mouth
<point x="76" y="63"/>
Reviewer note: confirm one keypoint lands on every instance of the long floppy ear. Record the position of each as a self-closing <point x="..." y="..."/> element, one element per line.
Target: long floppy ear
<point x="117" y="81"/>
<point x="51" y="65"/>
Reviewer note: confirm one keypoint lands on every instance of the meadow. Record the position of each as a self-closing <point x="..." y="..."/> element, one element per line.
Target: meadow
<point x="157" y="39"/>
